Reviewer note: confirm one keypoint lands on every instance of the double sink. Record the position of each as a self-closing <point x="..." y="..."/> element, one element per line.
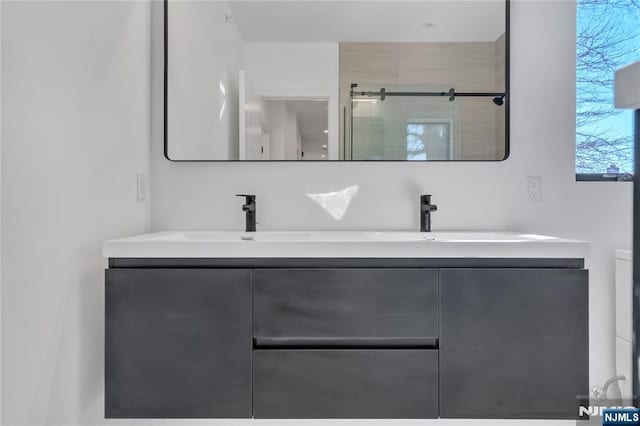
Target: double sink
<point x="344" y="236"/>
<point x="295" y="244"/>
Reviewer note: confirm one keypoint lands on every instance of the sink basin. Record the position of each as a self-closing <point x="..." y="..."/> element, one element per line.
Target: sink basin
<point x="284" y="236"/>
<point x="453" y="244"/>
<point x="457" y="237"/>
<point x="229" y="236"/>
<point x="480" y="237"/>
<point x="345" y="236"/>
<point x="400" y="236"/>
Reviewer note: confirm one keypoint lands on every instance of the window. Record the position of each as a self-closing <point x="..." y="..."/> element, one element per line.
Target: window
<point x="429" y="140"/>
<point x="608" y="37"/>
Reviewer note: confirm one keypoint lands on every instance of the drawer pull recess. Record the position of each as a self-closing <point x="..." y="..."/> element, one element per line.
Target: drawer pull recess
<point x="345" y="343"/>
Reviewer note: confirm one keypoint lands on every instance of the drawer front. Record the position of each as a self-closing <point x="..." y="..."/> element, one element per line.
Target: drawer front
<point x="345" y="384"/>
<point x="345" y="303"/>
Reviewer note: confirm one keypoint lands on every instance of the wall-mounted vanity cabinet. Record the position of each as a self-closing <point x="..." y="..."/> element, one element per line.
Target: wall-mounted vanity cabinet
<point x="345" y="337"/>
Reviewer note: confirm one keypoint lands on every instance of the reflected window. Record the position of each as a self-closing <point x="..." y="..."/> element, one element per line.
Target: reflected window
<point x="429" y="140"/>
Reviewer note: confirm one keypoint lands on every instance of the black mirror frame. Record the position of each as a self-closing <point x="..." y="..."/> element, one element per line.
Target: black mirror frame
<point x="507" y="105"/>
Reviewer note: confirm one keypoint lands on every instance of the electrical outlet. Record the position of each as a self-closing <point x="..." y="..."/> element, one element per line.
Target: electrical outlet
<point x="534" y="188"/>
<point x="141" y="187"/>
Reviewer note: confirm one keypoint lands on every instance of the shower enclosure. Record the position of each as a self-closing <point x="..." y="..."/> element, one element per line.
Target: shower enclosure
<point x="421" y="123"/>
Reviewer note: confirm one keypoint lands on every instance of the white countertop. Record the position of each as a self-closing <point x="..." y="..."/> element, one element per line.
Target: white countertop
<point x="337" y="244"/>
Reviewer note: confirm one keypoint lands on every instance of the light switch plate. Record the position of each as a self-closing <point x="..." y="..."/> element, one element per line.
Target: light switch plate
<point x="141" y="187"/>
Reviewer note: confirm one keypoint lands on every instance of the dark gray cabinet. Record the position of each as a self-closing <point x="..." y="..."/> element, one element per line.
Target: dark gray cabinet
<point x="281" y="338"/>
<point x="346" y="383"/>
<point x="513" y="343"/>
<point x="178" y="343"/>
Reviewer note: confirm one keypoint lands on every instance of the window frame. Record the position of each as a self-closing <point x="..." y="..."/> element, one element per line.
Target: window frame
<point x="604" y="177"/>
<point x="599" y="177"/>
<point x="427" y="121"/>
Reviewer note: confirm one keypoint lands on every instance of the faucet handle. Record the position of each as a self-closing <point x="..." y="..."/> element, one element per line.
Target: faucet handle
<point x="425" y="201"/>
<point x="249" y="197"/>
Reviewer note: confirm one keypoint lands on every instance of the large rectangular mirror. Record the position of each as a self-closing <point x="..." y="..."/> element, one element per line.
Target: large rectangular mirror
<point x="316" y="80"/>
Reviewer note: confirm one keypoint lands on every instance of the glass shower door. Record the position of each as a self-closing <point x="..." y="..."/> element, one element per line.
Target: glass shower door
<point x="403" y="127"/>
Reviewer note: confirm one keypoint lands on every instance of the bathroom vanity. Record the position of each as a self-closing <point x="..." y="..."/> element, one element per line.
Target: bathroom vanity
<point x="345" y="325"/>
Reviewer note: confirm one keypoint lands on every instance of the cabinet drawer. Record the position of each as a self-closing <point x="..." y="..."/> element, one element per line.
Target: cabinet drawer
<point x="345" y="384"/>
<point x="345" y="303"/>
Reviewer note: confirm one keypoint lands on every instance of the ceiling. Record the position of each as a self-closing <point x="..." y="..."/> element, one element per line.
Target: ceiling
<point x="316" y="21"/>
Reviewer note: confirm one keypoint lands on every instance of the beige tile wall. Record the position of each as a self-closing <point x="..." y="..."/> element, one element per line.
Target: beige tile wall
<point x="435" y="66"/>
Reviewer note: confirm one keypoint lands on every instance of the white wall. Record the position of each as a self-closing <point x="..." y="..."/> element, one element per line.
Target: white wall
<point x="274" y="115"/>
<point x="282" y="124"/>
<point x="250" y="120"/>
<point x="312" y="148"/>
<point x="75" y="113"/>
<point x="293" y="135"/>
<point x="297" y="70"/>
<point x="469" y="195"/>
<point x="206" y="57"/>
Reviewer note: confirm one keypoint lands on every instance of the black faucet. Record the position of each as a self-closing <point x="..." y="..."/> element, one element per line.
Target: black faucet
<point x="425" y="212"/>
<point x="249" y="207"/>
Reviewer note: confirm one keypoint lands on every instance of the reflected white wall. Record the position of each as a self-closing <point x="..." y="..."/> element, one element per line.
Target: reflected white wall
<point x="206" y="57"/>
<point x="297" y="70"/>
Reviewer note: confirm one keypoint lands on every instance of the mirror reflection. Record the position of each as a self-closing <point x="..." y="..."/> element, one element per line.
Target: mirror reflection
<point x="336" y="80"/>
